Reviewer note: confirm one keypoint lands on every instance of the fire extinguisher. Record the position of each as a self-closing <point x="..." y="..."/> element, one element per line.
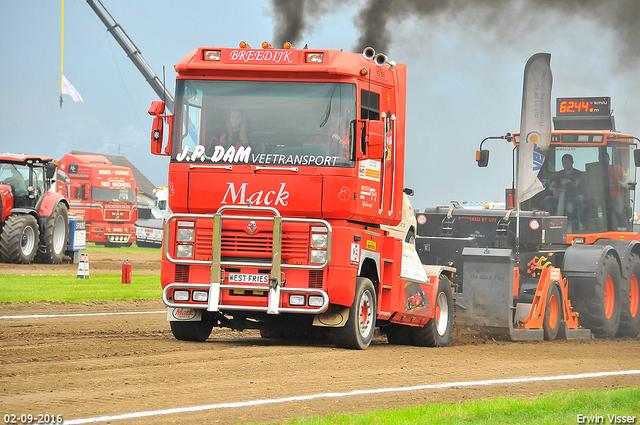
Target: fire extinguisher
<point x="126" y="272"/>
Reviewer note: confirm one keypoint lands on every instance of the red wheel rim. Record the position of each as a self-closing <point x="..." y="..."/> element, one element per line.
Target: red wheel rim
<point x="634" y="295"/>
<point x="553" y="311"/>
<point x="609" y="297"/>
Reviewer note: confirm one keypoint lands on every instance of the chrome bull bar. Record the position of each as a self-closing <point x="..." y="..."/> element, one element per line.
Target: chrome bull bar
<point x="273" y="301"/>
<point x="275" y="287"/>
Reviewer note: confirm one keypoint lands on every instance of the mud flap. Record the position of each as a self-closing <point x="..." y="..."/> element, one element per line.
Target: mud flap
<point x="487" y="299"/>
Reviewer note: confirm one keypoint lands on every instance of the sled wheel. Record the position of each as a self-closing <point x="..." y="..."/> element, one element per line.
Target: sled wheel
<point x="552" y="314"/>
<point x="54" y="236"/>
<point x="630" y="310"/>
<point x="192" y="331"/>
<point x="358" y="331"/>
<point x="600" y="309"/>
<point x="437" y="331"/>
<point x="19" y="239"/>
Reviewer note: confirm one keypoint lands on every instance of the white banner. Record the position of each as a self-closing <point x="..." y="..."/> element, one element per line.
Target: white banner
<point x="535" y="124"/>
<point x="67" y="88"/>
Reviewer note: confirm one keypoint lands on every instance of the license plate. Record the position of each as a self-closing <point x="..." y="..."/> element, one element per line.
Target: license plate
<point x="248" y="278"/>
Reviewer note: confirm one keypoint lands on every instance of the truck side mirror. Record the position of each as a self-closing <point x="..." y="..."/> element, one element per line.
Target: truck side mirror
<point x="375" y="143"/>
<point x="370" y="134"/>
<point x="636" y="157"/>
<point x="157" y="129"/>
<point x="482" y="157"/>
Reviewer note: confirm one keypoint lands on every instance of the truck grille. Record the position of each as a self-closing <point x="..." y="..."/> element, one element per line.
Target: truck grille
<point x="237" y="243"/>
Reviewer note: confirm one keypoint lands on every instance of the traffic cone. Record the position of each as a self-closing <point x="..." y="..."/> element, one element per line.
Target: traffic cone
<point x="83" y="267"/>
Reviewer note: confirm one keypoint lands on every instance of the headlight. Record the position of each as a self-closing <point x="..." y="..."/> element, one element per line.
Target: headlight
<point x="181" y="295"/>
<point x="186" y="235"/>
<point x="318" y="256"/>
<point x="318" y="240"/>
<point x="296" y="300"/>
<point x="315" y="300"/>
<point x="200" y="296"/>
<point x="184" y="251"/>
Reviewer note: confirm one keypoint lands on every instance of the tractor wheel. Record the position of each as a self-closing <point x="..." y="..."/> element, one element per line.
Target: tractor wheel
<point x="599" y="308"/>
<point x="398" y="334"/>
<point x="552" y="314"/>
<point x="19" y="239"/>
<point x="437" y="331"/>
<point x="192" y="331"/>
<point x="630" y="301"/>
<point x="54" y="236"/>
<point x="358" y="331"/>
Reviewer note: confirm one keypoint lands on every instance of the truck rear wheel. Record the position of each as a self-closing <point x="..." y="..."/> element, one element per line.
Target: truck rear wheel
<point x="552" y="314"/>
<point x="358" y="331"/>
<point x="192" y="331"/>
<point x="19" y="239"/>
<point x="599" y="308"/>
<point x="437" y="331"/>
<point x="630" y="301"/>
<point x="54" y="236"/>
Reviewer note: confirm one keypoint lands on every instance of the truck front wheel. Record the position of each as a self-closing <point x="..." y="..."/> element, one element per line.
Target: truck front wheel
<point x="54" y="236"/>
<point x="437" y="331"/>
<point x="358" y="331"/>
<point x="19" y="239"/>
<point x="192" y="331"/>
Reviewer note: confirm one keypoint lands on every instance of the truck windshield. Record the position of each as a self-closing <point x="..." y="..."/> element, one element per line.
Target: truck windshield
<point x="113" y="195"/>
<point x="264" y="123"/>
<point x="592" y="185"/>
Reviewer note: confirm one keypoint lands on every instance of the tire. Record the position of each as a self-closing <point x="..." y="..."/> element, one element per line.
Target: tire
<point x="358" y="331"/>
<point x="411" y="237"/>
<point x="19" y="239"/>
<point x="437" y="332"/>
<point x="552" y="314"/>
<point x="54" y="236"/>
<point x="398" y="334"/>
<point x="192" y="331"/>
<point x="599" y="309"/>
<point x="630" y="301"/>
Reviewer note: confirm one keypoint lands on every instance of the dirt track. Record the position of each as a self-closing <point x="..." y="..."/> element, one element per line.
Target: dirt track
<point x="90" y="366"/>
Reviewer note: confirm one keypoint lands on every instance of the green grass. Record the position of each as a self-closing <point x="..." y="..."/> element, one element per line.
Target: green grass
<point x="15" y="288"/>
<point x="553" y="409"/>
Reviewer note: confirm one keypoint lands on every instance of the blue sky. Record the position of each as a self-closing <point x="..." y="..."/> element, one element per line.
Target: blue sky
<point x="465" y="73"/>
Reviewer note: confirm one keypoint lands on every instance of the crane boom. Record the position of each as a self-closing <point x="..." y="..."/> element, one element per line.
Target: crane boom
<point x="132" y="52"/>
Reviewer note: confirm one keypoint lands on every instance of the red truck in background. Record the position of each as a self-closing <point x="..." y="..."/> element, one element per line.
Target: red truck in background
<point x="102" y="194"/>
<point x="284" y="166"/>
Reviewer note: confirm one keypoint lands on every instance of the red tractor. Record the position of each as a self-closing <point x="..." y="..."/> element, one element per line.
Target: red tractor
<point x="34" y="221"/>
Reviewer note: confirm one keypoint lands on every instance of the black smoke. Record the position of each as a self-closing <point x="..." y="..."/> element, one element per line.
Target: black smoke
<point x="499" y="21"/>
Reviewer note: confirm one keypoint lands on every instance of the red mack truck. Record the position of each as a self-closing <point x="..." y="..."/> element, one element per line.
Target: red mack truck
<point x="102" y="194"/>
<point x="285" y="164"/>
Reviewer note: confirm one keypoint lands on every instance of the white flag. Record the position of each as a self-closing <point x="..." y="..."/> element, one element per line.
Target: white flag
<point x="67" y="88"/>
<point x="535" y="124"/>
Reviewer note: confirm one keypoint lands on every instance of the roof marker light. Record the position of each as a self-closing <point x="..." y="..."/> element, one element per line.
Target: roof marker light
<point x="266" y="45"/>
<point x="288" y="45"/>
<point x="212" y="55"/>
<point x="364" y="72"/>
<point x="244" y="45"/>
<point x="314" y="57"/>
